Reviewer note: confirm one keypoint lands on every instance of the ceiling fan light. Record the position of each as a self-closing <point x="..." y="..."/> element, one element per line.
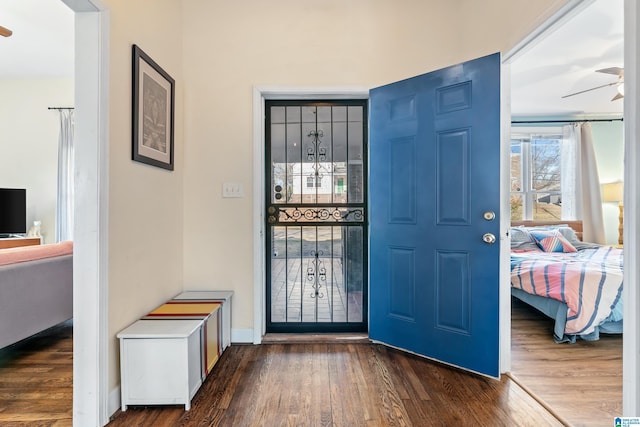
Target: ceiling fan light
<point x="621" y="89"/>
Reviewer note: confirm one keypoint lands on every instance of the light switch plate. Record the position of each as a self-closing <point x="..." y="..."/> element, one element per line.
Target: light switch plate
<point x="232" y="190"/>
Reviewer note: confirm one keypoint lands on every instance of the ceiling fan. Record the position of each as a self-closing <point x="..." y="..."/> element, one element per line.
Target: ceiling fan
<point x="5" y="31"/>
<point x="620" y="83"/>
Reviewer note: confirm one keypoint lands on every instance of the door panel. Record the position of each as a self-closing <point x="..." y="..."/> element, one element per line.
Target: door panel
<point x="435" y="169"/>
<point x="402" y="185"/>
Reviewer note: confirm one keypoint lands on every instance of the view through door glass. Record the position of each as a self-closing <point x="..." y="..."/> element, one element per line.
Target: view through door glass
<point x="316" y="216"/>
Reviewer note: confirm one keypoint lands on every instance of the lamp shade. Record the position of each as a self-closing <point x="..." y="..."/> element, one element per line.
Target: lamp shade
<point x="612" y="192"/>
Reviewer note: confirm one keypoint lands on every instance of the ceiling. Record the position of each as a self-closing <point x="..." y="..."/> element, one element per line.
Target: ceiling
<point x="42" y="43"/>
<point x="563" y="62"/>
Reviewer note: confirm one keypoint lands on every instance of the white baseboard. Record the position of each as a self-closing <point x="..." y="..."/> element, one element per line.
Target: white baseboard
<point x="242" y="336"/>
<point x="114" y="401"/>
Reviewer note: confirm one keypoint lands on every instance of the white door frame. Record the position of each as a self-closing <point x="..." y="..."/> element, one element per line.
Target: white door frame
<point x="90" y="296"/>
<point x="631" y="295"/>
<point x="260" y="95"/>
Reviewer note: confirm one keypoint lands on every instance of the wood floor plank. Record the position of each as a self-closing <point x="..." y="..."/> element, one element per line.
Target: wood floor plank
<point x="344" y="387"/>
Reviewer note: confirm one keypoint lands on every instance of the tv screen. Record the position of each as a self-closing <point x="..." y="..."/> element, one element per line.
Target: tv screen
<point x="13" y="210"/>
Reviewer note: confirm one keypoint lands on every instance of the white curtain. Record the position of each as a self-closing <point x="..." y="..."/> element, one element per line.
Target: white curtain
<point x="570" y="160"/>
<point x="581" y="197"/>
<point x="64" y="210"/>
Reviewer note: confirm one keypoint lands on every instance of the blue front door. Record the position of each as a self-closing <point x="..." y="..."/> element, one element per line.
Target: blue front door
<point x="434" y="209"/>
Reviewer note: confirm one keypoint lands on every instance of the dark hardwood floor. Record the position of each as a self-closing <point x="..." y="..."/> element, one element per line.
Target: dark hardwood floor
<point x="341" y="384"/>
<point x="36" y="380"/>
<point x="338" y="384"/>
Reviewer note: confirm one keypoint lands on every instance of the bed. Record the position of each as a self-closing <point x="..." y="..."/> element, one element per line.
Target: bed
<point x="576" y="283"/>
<point x="36" y="289"/>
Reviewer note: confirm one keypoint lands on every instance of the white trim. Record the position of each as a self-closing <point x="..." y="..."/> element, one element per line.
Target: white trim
<point x="115" y="398"/>
<point x="259" y="268"/>
<point x="260" y="94"/>
<point x="90" y="299"/>
<point x="312" y="92"/>
<point x="242" y="336"/>
<point x="504" y="291"/>
<point x="630" y="294"/>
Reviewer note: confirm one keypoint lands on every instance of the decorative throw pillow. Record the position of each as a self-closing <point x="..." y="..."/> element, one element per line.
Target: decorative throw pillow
<point x="552" y="241"/>
<point x="521" y="240"/>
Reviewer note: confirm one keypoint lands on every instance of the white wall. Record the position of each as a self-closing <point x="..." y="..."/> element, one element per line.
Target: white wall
<point x="145" y="202"/>
<point x="29" y="143"/>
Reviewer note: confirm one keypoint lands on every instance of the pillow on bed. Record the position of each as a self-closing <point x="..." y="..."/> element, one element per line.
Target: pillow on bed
<point x="552" y="241"/>
<point x="570" y="234"/>
<point x="521" y="240"/>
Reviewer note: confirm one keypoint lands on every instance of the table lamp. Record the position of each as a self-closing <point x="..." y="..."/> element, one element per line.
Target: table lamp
<point x="613" y="192"/>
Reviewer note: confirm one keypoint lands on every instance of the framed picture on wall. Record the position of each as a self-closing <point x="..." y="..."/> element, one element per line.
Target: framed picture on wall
<point x="153" y="112"/>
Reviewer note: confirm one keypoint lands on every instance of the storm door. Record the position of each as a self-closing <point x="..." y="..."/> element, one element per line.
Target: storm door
<point x="316" y="216"/>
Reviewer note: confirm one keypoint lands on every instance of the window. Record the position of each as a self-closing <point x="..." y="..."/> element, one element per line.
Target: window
<point x="536" y="170"/>
<point x="314" y="181"/>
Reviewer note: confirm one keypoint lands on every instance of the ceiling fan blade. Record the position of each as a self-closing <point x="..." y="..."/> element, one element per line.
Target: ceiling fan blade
<point x="613" y="70"/>
<point x="589" y="90"/>
<point x="618" y="96"/>
<point x="5" y="31"/>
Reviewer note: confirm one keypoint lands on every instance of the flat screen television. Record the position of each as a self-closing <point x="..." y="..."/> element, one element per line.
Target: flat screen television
<point x="13" y="211"/>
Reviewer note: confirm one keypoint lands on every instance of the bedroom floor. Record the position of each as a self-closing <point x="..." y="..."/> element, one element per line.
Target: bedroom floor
<point x="582" y="382"/>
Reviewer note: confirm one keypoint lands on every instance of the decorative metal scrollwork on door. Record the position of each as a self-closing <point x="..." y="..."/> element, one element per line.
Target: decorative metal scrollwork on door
<point x="316" y="274"/>
<point x="320" y="214"/>
<point x="317" y="155"/>
<point x="316" y="149"/>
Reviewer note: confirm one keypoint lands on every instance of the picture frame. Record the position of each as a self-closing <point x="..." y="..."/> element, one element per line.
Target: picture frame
<point x="153" y="112"/>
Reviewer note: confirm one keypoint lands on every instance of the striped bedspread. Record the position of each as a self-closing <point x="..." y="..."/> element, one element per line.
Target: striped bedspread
<point x="589" y="282"/>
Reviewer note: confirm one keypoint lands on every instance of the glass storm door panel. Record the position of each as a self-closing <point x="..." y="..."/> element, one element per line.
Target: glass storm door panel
<point x="316" y="216"/>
